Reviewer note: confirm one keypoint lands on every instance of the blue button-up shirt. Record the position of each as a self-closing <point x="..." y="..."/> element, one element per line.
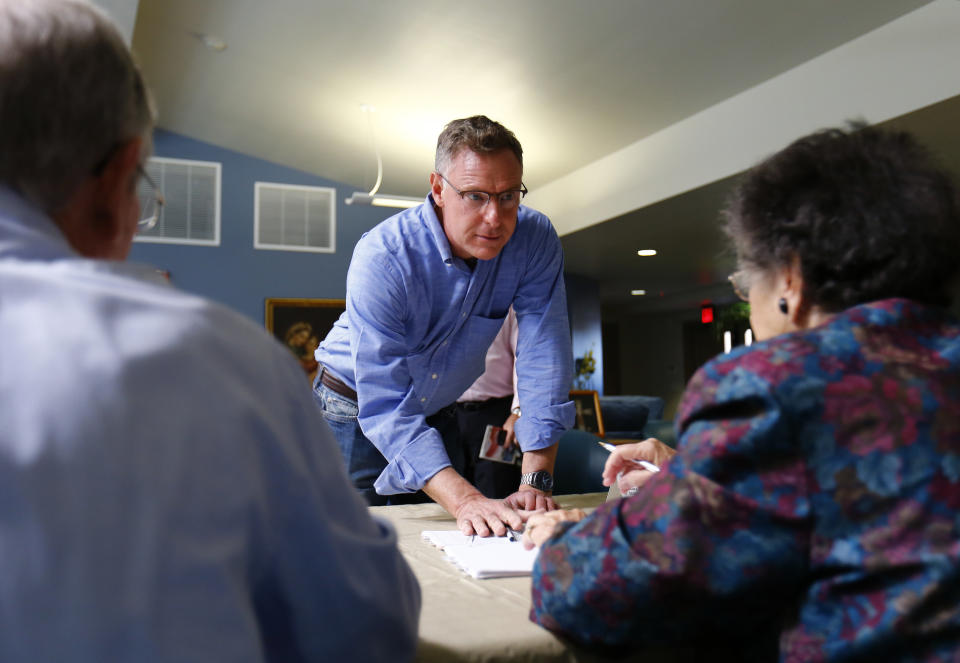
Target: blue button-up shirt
<point x="417" y="326"/>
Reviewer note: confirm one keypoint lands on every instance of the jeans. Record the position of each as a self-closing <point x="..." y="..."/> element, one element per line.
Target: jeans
<point x="364" y="461"/>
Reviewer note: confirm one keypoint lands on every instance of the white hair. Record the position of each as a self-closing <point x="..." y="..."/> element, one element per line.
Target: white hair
<point x="70" y="93"/>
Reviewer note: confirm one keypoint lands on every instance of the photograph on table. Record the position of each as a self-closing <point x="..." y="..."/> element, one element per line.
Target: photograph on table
<point x="589" y="417"/>
<point x="300" y="324"/>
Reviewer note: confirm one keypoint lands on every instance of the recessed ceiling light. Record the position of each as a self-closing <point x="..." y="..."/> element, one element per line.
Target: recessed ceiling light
<point x="638" y="292"/>
<point x="647" y="252"/>
<point x="212" y="42"/>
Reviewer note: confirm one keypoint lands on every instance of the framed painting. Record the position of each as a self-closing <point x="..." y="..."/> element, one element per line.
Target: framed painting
<point x="300" y="324"/>
<point x="589" y="417"/>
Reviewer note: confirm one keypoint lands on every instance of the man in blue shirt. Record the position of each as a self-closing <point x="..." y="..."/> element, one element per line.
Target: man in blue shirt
<point x="427" y="291"/>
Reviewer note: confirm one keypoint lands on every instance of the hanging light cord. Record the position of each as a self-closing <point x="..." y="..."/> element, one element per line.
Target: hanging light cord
<point x="369" y="110"/>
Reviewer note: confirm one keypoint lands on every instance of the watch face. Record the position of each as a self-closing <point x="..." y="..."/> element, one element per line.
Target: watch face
<point x="541" y="480"/>
<point x="547" y="481"/>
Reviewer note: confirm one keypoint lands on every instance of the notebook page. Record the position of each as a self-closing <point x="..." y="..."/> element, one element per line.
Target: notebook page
<point x="484" y="557"/>
<point x="493" y="561"/>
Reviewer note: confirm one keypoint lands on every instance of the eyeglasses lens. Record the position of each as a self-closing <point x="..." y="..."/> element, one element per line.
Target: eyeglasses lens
<point x="150" y="202"/>
<point x="507" y="199"/>
<point x="740" y="284"/>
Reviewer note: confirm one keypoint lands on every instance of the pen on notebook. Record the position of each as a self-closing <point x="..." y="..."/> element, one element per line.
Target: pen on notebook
<point x="642" y="463"/>
<point x="512" y="535"/>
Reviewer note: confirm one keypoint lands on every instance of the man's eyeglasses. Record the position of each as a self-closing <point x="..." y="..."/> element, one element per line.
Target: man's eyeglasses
<point x="151" y="202"/>
<point x="478" y="199"/>
<point x="741" y="284"/>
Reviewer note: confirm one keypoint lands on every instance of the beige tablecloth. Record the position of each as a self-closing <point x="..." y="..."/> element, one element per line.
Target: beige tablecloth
<point x="464" y="619"/>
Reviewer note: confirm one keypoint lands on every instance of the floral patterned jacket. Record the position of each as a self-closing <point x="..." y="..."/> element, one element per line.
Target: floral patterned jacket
<point x="814" y="504"/>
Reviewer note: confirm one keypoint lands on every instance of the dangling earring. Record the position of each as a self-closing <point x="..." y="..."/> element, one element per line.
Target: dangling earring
<point x="783" y="306"/>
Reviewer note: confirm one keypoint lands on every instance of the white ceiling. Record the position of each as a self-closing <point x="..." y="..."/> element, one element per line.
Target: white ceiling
<point x="577" y="81"/>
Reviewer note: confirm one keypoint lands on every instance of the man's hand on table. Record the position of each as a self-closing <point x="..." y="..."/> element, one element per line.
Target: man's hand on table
<point x="484" y="516"/>
<point x="529" y="498"/>
<point x="475" y="513"/>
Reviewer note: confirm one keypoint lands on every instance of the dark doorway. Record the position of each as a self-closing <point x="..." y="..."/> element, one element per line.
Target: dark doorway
<point x="700" y="345"/>
<point x="610" y="341"/>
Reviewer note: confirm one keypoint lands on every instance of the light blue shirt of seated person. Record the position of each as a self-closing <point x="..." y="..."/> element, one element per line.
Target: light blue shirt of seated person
<point x="168" y="489"/>
<point x="417" y="325"/>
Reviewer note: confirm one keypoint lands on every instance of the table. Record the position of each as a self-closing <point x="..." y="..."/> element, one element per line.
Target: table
<point x="464" y="619"/>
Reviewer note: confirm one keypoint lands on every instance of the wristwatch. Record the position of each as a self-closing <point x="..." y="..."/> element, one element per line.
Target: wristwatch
<point x="541" y="480"/>
<point x="515" y="411"/>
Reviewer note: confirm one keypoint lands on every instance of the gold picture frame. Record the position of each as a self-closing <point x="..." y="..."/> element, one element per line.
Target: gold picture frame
<point x="300" y="324"/>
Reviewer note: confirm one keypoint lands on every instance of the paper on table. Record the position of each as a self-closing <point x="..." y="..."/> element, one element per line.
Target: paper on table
<point x="483" y="557"/>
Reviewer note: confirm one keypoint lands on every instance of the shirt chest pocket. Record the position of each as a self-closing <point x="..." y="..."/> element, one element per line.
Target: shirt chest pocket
<point x="460" y="357"/>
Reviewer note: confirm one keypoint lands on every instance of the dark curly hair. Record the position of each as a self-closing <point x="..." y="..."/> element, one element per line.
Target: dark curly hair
<point x="868" y="213"/>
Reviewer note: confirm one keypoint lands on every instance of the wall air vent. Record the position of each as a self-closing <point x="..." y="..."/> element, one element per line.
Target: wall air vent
<point x="191" y="193"/>
<point x="294" y="218"/>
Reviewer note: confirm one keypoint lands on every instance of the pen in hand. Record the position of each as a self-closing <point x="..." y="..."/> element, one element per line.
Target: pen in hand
<point x="642" y="463"/>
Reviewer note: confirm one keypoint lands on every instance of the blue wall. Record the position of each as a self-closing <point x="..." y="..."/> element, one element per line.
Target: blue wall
<point x="235" y="273"/>
<point x="583" y="302"/>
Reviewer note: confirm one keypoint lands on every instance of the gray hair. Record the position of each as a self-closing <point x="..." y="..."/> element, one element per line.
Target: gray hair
<point x="478" y="134"/>
<point x="70" y="93"/>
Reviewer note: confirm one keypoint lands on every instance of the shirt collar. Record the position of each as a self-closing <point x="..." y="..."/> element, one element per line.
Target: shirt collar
<point x="432" y="221"/>
<point x="27" y="232"/>
<point x="429" y="215"/>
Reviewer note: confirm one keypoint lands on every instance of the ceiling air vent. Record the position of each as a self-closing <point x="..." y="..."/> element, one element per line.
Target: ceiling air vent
<point x="191" y="209"/>
<point x="294" y="218"/>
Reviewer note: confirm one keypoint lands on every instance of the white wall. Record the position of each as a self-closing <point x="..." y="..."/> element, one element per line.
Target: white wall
<point x="907" y="64"/>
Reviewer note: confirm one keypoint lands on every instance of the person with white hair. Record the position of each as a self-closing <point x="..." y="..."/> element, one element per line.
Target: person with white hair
<point x="159" y="500"/>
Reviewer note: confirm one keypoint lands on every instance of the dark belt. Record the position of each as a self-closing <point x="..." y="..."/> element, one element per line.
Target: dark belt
<point x="471" y="406"/>
<point x="445" y="412"/>
<point x="335" y="385"/>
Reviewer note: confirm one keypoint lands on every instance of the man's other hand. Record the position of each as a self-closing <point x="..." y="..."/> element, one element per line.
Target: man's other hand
<point x="530" y="499"/>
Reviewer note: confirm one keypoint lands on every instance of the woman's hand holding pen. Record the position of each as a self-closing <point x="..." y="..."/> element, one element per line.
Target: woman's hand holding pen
<point x="621" y="466"/>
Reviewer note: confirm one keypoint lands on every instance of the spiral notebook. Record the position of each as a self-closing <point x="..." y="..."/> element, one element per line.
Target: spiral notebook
<point x="483" y="557"/>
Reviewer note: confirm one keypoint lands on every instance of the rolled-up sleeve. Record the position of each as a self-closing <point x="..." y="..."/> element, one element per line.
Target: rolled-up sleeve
<point x="544" y="358"/>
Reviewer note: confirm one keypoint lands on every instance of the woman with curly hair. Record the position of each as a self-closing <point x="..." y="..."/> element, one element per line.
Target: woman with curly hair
<point x="810" y="511"/>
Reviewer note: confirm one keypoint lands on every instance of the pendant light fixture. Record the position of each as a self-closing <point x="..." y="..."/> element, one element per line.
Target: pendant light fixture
<point x="373" y="197"/>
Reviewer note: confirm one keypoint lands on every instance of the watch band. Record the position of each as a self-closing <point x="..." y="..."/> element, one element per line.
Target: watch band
<point x="515" y="411"/>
